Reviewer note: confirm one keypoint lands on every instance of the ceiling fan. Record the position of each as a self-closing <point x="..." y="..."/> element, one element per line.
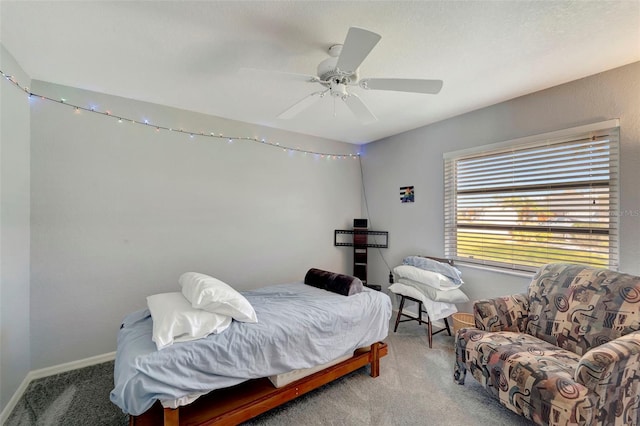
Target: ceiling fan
<point x="340" y="71"/>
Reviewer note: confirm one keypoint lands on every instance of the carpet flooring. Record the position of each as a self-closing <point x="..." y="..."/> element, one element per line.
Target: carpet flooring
<point x="415" y="387"/>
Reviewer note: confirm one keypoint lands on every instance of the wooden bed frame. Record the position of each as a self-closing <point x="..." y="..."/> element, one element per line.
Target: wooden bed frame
<point x="242" y="402"/>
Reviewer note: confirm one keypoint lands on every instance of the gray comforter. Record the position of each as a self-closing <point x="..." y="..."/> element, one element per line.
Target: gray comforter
<point x="299" y="326"/>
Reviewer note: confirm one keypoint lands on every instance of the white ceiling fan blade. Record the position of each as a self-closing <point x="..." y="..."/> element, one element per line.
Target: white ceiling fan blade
<point x="279" y="75"/>
<point x="301" y="105"/>
<point x="357" y="46"/>
<point x="402" y="85"/>
<point x="359" y="109"/>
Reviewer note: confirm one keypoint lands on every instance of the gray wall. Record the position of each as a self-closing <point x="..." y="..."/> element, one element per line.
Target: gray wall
<point x="415" y="158"/>
<point x="14" y="230"/>
<point x="119" y="211"/>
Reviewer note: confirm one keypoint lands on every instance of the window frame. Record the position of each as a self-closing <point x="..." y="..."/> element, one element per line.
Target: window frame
<point x="451" y="208"/>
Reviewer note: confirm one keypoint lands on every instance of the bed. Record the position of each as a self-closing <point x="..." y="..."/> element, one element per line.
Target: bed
<point x="224" y="378"/>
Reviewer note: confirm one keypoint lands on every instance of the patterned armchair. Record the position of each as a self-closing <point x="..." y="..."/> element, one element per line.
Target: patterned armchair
<point x="566" y="353"/>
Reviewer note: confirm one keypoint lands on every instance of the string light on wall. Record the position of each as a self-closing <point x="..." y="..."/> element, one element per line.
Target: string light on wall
<point x="230" y="139"/>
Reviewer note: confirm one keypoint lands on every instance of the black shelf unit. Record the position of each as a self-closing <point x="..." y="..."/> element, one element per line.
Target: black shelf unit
<point x="360" y="243"/>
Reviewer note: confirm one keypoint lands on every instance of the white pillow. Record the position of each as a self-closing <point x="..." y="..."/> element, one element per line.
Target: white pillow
<point x="433" y="279"/>
<point x="212" y="295"/>
<point x="174" y="320"/>
<point x="454" y="295"/>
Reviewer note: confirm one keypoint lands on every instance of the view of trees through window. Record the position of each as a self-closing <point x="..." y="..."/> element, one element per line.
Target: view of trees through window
<point x="522" y="208"/>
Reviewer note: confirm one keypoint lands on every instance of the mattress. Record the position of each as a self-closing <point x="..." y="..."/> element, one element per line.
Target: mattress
<point x="283" y="379"/>
<point x="299" y="327"/>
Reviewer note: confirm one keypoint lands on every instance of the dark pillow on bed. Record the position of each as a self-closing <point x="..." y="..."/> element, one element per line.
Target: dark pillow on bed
<point x="331" y="281"/>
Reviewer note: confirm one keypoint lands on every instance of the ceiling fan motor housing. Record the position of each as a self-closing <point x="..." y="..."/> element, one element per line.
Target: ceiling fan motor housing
<point x="327" y="71"/>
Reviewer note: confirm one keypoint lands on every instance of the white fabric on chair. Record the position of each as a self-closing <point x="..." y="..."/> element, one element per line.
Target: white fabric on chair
<point x="435" y="310"/>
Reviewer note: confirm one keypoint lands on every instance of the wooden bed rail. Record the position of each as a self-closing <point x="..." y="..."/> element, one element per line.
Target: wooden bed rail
<point x="242" y="402"/>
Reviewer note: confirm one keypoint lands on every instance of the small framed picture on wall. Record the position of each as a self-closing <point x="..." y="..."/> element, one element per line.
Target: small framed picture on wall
<point x="407" y="194"/>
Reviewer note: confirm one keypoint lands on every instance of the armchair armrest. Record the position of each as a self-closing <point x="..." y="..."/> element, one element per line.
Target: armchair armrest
<point x="612" y="372"/>
<point x="611" y="366"/>
<point x="509" y="313"/>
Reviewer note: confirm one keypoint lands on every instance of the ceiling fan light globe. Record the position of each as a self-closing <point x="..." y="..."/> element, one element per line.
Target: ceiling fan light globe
<point x="338" y="90"/>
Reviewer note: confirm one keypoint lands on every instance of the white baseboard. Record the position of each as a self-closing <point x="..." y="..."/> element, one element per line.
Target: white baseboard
<point x="50" y="371"/>
<point x="73" y="365"/>
<point x="4" y="414"/>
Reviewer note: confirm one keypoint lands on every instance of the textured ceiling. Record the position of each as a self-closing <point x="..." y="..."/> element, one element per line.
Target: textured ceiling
<point x="188" y="54"/>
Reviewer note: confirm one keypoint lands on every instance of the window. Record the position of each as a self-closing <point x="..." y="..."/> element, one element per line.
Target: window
<point x="542" y="199"/>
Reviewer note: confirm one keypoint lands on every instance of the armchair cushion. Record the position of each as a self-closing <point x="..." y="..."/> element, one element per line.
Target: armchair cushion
<point x="578" y="307"/>
<point x="527" y="375"/>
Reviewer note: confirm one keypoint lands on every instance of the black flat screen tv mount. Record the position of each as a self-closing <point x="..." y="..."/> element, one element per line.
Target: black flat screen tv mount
<point x="358" y="238"/>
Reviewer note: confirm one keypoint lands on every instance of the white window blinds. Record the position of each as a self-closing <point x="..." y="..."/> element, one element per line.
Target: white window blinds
<point x="523" y="204"/>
